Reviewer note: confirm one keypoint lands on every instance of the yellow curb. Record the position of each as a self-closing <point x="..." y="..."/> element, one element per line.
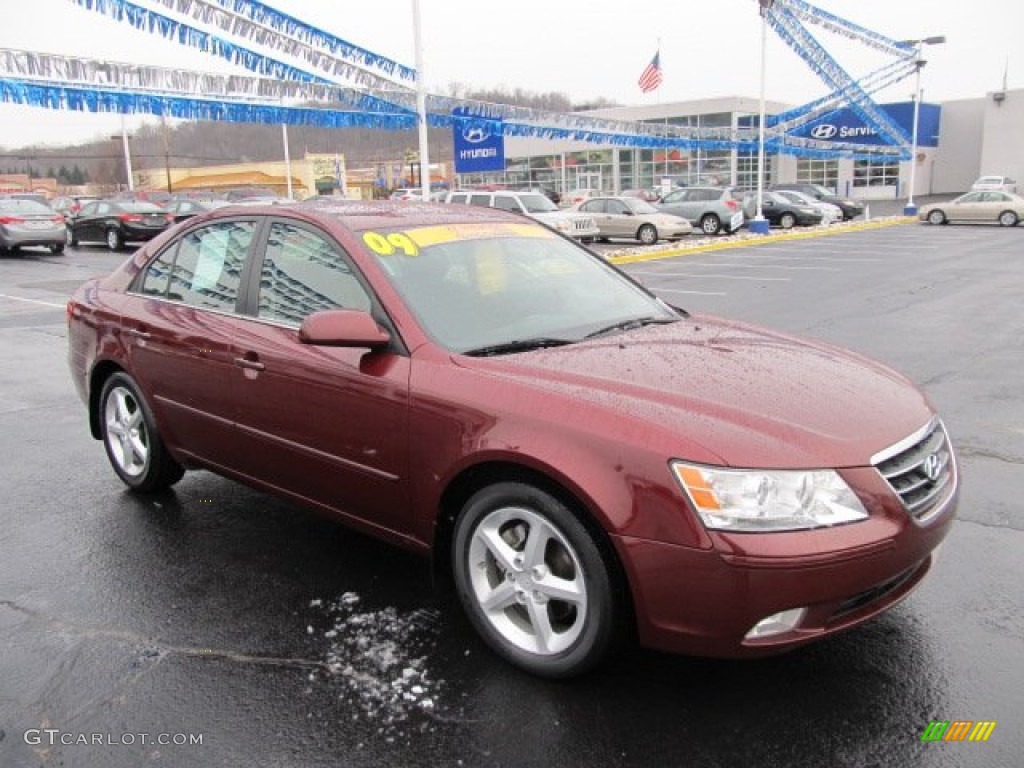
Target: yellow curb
<point x="772" y="238"/>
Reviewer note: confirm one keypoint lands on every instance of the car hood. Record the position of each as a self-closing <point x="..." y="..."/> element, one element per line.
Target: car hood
<point x="750" y="397"/>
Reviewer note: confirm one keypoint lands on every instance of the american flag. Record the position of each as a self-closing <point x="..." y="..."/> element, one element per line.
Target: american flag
<point x="651" y="77"/>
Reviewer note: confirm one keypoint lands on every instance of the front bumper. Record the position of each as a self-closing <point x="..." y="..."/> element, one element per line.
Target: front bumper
<point x="704" y="602"/>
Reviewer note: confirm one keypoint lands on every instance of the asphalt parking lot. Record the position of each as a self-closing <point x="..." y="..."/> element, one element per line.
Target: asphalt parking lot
<point x="283" y="639"/>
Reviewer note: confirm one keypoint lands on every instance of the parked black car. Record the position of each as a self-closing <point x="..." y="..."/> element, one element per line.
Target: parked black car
<point x="850" y="208"/>
<point x="780" y="211"/>
<point x="116" y="222"/>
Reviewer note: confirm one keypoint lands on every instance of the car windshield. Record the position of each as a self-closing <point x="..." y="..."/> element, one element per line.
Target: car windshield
<point x="823" y="190"/>
<point x="537" y="203"/>
<point x="14" y="205"/>
<point x="639" y="206"/>
<point x="477" y="287"/>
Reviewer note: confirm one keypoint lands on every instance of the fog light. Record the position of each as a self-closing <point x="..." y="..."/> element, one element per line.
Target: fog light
<point x="777" y="623"/>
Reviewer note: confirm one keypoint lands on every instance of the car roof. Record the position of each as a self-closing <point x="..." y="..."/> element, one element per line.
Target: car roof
<point x="360" y="215"/>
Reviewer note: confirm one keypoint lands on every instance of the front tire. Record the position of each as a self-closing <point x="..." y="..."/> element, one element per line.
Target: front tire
<point x="1008" y="219"/>
<point x="647" y="234"/>
<point x="710" y="224"/>
<point x="787" y="221"/>
<point x="533" y="581"/>
<point x="115" y="240"/>
<point x="936" y="217"/>
<point x="132" y="440"/>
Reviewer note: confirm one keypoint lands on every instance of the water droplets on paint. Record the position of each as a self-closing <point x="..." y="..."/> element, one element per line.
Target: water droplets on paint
<point x="380" y="658"/>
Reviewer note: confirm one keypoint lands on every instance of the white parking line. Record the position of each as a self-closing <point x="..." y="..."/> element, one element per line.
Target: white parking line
<point x="723" y="277"/>
<point x="745" y="266"/>
<point x="695" y="293"/>
<point x="32" y="301"/>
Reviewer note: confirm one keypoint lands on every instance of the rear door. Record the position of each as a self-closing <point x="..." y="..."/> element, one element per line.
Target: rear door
<point x="182" y="331"/>
<point x="327" y="423"/>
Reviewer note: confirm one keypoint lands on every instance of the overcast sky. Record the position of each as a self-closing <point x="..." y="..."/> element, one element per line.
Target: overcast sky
<point x="583" y="48"/>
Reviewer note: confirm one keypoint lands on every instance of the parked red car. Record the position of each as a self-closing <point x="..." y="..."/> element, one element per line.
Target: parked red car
<point x="587" y="462"/>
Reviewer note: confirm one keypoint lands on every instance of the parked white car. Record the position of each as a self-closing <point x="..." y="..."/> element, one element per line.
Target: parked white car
<point x="536" y="205"/>
<point x="995" y="183"/>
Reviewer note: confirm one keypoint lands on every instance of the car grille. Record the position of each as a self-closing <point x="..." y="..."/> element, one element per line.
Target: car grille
<point x="920" y="470"/>
<point x="583" y="224"/>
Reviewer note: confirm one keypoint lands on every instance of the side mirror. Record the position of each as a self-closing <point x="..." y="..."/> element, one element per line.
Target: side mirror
<point x="342" y="328"/>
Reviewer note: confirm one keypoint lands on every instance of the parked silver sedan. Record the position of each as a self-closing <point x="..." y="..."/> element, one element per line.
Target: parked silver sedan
<point x="633" y="218"/>
<point x="27" y="223"/>
<point x="979" y="206"/>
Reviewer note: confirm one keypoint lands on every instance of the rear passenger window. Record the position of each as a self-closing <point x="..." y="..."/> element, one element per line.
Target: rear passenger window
<point x="507" y="204"/>
<point x="304" y="273"/>
<point x="208" y="265"/>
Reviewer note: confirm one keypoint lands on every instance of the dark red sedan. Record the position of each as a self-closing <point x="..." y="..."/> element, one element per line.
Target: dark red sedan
<point x="586" y="461"/>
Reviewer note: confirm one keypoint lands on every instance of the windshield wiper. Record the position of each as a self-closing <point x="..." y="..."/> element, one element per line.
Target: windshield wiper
<point x="518" y="345"/>
<point x="631" y="325"/>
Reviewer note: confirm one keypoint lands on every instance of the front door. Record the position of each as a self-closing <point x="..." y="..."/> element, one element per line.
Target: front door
<point x="327" y="423"/>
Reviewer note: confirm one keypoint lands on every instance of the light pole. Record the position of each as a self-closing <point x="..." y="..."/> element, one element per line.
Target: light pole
<point x="421" y="102"/>
<point x="911" y="209"/>
<point x="759" y="224"/>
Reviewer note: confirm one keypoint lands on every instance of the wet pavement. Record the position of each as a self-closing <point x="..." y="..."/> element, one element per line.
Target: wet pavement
<point x="283" y="639"/>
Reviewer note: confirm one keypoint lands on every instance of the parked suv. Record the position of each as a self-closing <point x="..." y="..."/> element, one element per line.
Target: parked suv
<point x="850" y="208"/>
<point x="712" y="209"/>
<point x="536" y="205"/>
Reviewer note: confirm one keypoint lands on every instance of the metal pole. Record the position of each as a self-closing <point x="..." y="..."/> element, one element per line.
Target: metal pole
<point x="759" y="224"/>
<point x="287" y="158"/>
<point x="911" y="209"/>
<point x="127" y="156"/>
<point x="421" y="103"/>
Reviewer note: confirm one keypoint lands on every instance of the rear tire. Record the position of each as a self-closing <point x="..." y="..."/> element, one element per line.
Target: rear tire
<point x="1008" y="219"/>
<point x="115" y="240"/>
<point x="56" y="248"/>
<point x="533" y="581"/>
<point x="710" y="224"/>
<point x="131" y="438"/>
<point x="69" y="237"/>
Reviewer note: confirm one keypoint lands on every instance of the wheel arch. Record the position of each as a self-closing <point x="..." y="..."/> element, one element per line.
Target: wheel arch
<point x="478" y="476"/>
<point x="102" y="371"/>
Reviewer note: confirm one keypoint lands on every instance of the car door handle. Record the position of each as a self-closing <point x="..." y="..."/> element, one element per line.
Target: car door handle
<point x="252" y="365"/>
<point x="137" y="333"/>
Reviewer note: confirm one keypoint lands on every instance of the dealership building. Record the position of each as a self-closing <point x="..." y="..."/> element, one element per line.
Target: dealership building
<point x="957" y="142"/>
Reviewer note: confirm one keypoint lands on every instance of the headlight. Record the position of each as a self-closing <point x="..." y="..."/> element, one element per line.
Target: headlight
<point x="763" y="501"/>
<point x="563" y="226"/>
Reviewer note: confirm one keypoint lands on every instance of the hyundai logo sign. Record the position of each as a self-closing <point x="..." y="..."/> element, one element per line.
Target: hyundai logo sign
<point x="476" y="133"/>
<point x="479" y="143"/>
<point x="824" y="131"/>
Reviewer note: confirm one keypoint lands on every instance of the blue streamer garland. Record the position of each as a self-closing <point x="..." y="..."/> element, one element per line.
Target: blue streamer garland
<point x="260" y="13"/>
<point x="62" y="96"/>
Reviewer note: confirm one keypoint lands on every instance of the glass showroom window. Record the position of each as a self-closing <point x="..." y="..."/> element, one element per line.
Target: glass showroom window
<point x="746" y="169"/>
<point x="815" y="171"/>
<point x="867" y="173"/>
